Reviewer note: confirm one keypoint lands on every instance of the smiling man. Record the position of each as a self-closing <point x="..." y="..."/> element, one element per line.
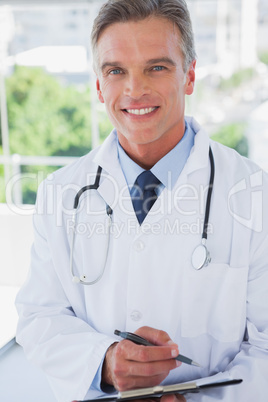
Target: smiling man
<point x="166" y="257"/>
<point x="143" y="81"/>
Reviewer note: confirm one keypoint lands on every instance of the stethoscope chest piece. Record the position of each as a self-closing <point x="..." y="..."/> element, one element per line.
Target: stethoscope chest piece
<point x="201" y="257"/>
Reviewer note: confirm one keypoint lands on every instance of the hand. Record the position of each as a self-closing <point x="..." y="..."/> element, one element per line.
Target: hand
<point x="165" y="398"/>
<point x="173" y="398"/>
<point x="129" y="366"/>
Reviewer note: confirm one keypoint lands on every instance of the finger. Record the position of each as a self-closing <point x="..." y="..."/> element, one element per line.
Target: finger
<point x="173" y="398"/>
<point x="147" y="400"/>
<point x="152" y="368"/>
<point x="128" y="383"/>
<point x="125" y="368"/>
<point x="155" y="336"/>
<point x="141" y="353"/>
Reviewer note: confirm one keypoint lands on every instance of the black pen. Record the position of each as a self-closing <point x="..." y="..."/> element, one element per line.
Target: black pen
<point x="142" y="341"/>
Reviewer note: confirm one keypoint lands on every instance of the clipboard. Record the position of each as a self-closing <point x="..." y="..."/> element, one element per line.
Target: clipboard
<point x="160" y="390"/>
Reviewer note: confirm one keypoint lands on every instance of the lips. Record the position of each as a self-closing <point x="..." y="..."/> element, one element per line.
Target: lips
<point x="141" y="111"/>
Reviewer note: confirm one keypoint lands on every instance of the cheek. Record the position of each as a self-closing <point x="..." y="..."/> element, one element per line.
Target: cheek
<point x="109" y="93"/>
<point x="172" y="89"/>
<point x="174" y="97"/>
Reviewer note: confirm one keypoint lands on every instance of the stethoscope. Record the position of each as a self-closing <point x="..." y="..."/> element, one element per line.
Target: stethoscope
<point x="200" y="257"/>
<point x="83" y="279"/>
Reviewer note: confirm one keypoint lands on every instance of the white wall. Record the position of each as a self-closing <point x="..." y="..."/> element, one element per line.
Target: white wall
<point x="16" y="237"/>
<point x="258" y="135"/>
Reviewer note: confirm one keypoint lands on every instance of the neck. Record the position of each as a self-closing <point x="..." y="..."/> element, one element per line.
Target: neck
<point x="145" y="158"/>
<point x="147" y="155"/>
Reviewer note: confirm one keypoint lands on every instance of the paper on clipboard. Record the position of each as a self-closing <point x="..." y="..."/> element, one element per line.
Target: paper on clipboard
<point x="159" y="390"/>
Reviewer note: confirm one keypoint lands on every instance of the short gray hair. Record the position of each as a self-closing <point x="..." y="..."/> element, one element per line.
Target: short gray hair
<point x="176" y="11"/>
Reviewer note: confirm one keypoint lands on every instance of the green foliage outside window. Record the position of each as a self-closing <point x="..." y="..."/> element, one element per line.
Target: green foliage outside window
<point x="233" y="136"/>
<point x="236" y="79"/>
<point x="264" y="57"/>
<point x="49" y="119"/>
<point x="46" y="119"/>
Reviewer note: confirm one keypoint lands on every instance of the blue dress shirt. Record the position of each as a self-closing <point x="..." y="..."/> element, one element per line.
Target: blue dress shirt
<point x="167" y="169"/>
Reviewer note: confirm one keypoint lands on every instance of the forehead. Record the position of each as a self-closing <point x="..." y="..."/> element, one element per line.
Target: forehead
<point x="152" y="37"/>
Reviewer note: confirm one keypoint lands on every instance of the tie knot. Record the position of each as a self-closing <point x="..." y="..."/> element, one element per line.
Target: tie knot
<point x="147" y="180"/>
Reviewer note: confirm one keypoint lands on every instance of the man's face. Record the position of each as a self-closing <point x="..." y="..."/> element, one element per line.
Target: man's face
<point x="142" y="83"/>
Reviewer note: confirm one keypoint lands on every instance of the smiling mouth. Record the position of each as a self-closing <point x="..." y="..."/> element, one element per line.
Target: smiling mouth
<point x="141" y="112"/>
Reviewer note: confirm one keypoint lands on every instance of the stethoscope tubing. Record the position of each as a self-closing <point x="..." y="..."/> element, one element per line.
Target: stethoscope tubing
<point x="93" y="186"/>
<point x="109" y="211"/>
<point x="205" y="260"/>
<point x="210" y="189"/>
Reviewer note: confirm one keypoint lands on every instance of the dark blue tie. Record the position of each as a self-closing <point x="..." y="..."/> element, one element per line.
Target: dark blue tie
<point x="143" y="194"/>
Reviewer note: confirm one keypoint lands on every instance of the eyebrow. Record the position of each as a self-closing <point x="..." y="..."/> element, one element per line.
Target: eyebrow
<point x="109" y="64"/>
<point x="159" y="60"/>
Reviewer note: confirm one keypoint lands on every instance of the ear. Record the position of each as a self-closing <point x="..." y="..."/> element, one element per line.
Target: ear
<point x="190" y="79"/>
<point x="99" y="93"/>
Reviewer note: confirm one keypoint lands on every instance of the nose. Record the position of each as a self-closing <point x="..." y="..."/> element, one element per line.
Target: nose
<point x="136" y="86"/>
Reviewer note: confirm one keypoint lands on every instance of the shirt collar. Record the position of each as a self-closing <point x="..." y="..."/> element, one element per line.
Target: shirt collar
<point x="167" y="169"/>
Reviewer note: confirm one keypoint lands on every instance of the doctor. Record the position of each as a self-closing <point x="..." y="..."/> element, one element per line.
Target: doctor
<point x="137" y="273"/>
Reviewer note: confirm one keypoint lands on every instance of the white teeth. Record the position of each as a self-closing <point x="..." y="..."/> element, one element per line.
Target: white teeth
<point x="141" y="111"/>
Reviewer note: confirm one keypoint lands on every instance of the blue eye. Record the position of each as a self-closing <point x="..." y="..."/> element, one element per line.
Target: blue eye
<point x="116" y="71"/>
<point x="158" y="68"/>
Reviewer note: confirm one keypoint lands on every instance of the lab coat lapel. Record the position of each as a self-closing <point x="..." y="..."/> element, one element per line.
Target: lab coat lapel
<point x="113" y="187"/>
<point x="195" y="172"/>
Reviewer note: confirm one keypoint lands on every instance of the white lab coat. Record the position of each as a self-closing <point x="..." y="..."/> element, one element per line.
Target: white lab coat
<point x="218" y="315"/>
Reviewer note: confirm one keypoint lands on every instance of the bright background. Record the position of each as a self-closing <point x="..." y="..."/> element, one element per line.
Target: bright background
<point x="50" y="115"/>
<point x="48" y="102"/>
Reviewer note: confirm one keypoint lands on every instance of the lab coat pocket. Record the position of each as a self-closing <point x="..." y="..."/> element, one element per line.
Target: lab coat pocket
<point x="214" y="302"/>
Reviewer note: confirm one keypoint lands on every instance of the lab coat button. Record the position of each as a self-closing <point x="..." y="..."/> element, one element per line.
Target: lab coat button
<point x="136" y="315"/>
<point x="139" y="245"/>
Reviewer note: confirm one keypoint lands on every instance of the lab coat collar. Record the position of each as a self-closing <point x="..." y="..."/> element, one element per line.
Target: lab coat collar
<point x="107" y="155"/>
<point x="198" y="158"/>
<point x="113" y="180"/>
